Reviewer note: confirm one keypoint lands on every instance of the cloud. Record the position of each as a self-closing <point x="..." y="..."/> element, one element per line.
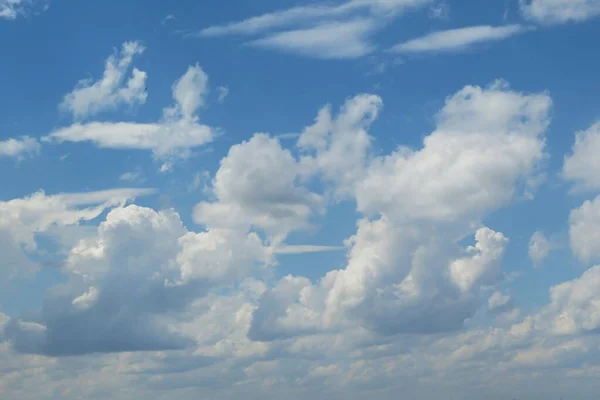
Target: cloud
<point x="90" y="98"/>
<point x="457" y="39"/>
<point x="439" y="11"/>
<point x="300" y="249"/>
<point x="308" y="14"/>
<point x="582" y="166"/>
<point x="405" y="269"/>
<point x="130" y="280"/>
<point x="23" y="220"/>
<point x="279" y="207"/>
<point x="172" y="137"/>
<point x="499" y="303"/>
<point x="559" y="11"/>
<point x="337" y="31"/>
<point x="223" y="92"/>
<point x="11" y="9"/>
<point x="132" y="176"/>
<point x="337" y="40"/>
<point x="539" y="248"/>
<point x="584" y="231"/>
<point x="19" y="148"/>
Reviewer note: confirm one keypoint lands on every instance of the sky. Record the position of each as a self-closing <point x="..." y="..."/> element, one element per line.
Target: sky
<point x="295" y="199"/>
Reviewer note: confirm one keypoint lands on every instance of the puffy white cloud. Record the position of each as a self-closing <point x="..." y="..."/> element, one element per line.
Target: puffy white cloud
<point x="129" y="282"/>
<point x="583" y="166"/>
<point x="405" y="270"/>
<point x="19" y="148"/>
<point x="21" y="220"/>
<point x="172" y="137"/>
<point x="257" y="185"/>
<point x="559" y="11"/>
<point x="89" y="98"/>
<point x="457" y="39"/>
<point x="574" y="306"/>
<point x="584" y="230"/>
<point x="539" y="247"/>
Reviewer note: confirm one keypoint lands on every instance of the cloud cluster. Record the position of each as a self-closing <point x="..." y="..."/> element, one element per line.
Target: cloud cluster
<point x="559" y="11"/>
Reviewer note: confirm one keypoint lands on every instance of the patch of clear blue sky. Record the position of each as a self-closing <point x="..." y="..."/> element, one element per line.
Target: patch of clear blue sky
<point x="43" y="57"/>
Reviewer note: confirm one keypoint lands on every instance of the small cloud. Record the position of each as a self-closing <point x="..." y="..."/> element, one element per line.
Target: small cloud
<point x="439" y="11"/>
<point x="168" y="18"/>
<point x="539" y="248"/>
<point x="222" y="91"/>
<point x="133" y="176"/>
<point x="20" y="148"/>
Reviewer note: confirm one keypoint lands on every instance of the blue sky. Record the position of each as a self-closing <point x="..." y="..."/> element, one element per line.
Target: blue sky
<point x="288" y="199"/>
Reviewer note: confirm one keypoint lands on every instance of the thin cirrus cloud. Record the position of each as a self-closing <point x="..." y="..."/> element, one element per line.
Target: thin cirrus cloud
<point x="341" y="31"/>
<point x="458" y="39"/>
<point x="335" y="40"/>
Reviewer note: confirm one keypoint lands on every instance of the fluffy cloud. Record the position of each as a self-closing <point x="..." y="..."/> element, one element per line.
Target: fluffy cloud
<point x="172" y="137"/>
<point x="584" y="230"/>
<point x="89" y="98"/>
<point x="19" y="148"/>
<point x="539" y="247"/>
<point x="404" y="268"/>
<point x="11" y="9"/>
<point x="257" y="185"/>
<point x="582" y="166"/>
<point x="129" y="282"/>
<point x="22" y="220"/>
<point x="559" y="11"/>
<point x="457" y="39"/>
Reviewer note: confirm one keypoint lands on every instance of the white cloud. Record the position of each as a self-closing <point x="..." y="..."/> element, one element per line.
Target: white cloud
<point x="499" y="303"/>
<point x="539" y="248"/>
<point x="584" y="231"/>
<point x="457" y="39"/>
<point x="132" y="176"/>
<point x="172" y="137"/>
<point x="22" y="220"/>
<point x="279" y="207"/>
<point x="11" y="9"/>
<point x="90" y="98"/>
<point x="582" y="166"/>
<point x="332" y="40"/>
<point x="559" y="11"/>
<point x="223" y="92"/>
<point x="19" y="148"/>
<point x="439" y="11"/>
<point x="307" y="14"/>
<point x="337" y="31"/>
<point x="404" y="265"/>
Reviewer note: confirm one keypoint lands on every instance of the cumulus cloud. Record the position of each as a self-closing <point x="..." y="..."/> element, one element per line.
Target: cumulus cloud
<point x="129" y="282"/>
<point x="172" y="137"/>
<point x="280" y="206"/>
<point x="539" y="247"/>
<point x="582" y="166"/>
<point x="404" y="265"/>
<point x="559" y="11"/>
<point x="457" y="39"/>
<point x="19" y="148"/>
<point x="584" y="230"/>
<point x="89" y="98"/>
<point x="23" y="220"/>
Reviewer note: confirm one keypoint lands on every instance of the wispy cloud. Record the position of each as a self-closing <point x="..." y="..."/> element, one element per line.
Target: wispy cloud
<point x="458" y="39"/>
<point x="339" y="31"/>
<point x="19" y="148"/>
<point x="336" y="40"/>
<point x="222" y="91"/>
